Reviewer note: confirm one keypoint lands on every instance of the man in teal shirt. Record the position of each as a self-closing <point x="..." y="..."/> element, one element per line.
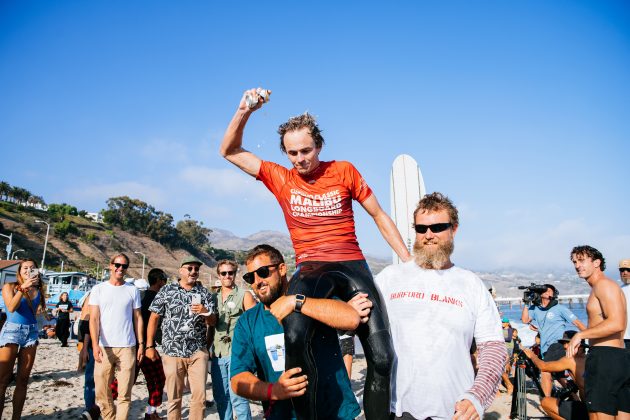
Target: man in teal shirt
<point x="258" y="360"/>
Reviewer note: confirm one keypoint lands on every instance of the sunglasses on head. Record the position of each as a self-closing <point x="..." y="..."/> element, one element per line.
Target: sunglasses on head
<point x="227" y="273"/>
<point x="124" y="266"/>
<point x="192" y="268"/>
<point x="263" y="273"/>
<point x="624" y="270"/>
<point x="435" y="228"/>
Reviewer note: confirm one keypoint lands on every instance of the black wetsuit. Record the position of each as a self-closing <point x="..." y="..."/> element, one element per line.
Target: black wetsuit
<point x="344" y="280"/>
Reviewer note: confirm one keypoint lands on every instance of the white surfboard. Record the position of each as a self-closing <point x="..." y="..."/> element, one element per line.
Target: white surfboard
<point x="406" y="189"/>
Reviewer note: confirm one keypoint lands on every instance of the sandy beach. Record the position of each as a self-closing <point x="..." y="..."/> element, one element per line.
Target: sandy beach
<point x="56" y="389"/>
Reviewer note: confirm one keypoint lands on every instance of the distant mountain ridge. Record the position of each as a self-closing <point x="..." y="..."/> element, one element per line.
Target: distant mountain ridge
<point x="224" y="239"/>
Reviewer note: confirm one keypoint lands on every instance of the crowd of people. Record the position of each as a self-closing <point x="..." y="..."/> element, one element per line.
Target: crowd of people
<point x="417" y="321"/>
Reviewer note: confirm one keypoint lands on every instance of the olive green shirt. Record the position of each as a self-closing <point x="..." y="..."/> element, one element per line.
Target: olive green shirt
<point x="229" y="312"/>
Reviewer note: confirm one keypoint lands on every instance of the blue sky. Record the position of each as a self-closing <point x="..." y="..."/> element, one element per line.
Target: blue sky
<point x="517" y="110"/>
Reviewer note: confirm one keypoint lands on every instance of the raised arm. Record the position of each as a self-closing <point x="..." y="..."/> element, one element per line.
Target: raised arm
<point x="525" y="318"/>
<point x="332" y="312"/>
<point x="387" y="227"/>
<point x="232" y="144"/>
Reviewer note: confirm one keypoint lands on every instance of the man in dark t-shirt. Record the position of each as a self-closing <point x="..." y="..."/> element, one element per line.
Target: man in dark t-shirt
<point x="152" y="369"/>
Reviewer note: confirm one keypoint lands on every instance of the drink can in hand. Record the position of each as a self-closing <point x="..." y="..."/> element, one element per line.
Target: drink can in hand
<point x="252" y="100"/>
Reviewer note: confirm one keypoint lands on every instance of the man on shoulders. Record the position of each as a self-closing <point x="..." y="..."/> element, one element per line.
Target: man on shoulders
<point x="551" y="320"/>
<point x="186" y="308"/>
<point x="436" y="309"/>
<point x="258" y="353"/>
<point x="115" y="322"/>
<point x="316" y="198"/>
<point x="624" y="273"/>
<point x="232" y="301"/>
<point x="607" y="378"/>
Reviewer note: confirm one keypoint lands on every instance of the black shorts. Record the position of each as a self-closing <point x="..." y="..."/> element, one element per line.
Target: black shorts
<point x="555" y="352"/>
<point x="573" y="410"/>
<point x="607" y="380"/>
<point x="346" y="342"/>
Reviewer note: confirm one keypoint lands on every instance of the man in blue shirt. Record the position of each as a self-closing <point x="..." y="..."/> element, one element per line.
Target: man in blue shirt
<point x="258" y="357"/>
<point x="551" y="321"/>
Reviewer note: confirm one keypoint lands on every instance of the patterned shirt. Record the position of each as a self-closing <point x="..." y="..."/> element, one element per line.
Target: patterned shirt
<point x="183" y="333"/>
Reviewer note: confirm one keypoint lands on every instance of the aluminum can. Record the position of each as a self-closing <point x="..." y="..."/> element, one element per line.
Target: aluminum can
<point x="252" y="101"/>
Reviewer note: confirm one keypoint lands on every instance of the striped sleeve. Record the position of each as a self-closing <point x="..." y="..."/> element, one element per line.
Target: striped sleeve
<point x="491" y="362"/>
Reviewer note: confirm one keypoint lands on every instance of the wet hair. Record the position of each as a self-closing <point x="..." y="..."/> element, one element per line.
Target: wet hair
<point x="227" y="262"/>
<point x="155" y="275"/>
<point x="121" y="254"/>
<point x="299" y="122"/>
<point x="40" y="286"/>
<point x="436" y="202"/>
<point x="274" y="255"/>
<point x="589" y="251"/>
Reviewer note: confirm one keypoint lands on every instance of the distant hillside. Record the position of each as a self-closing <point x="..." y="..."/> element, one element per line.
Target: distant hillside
<point x="90" y="248"/>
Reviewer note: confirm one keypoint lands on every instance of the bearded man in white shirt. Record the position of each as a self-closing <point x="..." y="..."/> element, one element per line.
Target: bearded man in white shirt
<point x="436" y="309"/>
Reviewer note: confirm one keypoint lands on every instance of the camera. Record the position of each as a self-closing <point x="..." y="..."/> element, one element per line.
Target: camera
<point x="531" y="295"/>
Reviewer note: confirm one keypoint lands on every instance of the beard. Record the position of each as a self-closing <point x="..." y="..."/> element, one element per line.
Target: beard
<point x="273" y="293"/>
<point x="433" y="257"/>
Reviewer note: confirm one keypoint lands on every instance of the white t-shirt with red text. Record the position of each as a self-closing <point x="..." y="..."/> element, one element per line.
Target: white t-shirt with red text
<point x="434" y="315"/>
<point x="116" y="305"/>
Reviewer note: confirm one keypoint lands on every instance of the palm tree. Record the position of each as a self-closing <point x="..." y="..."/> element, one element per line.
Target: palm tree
<point x="5" y="187"/>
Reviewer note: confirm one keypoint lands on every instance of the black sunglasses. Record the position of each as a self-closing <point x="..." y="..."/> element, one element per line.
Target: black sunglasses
<point x="227" y="273"/>
<point x="124" y="266"/>
<point x="263" y="273"/>
<point x="435" y="228"/>
<point x="191" y="268"/>
<point x="624" y="270"/>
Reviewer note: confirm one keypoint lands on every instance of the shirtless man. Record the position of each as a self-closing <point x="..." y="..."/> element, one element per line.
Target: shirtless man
<point x="316" y="198"/>
<point x="607" y="378"/>
<point x="556" y="409"/>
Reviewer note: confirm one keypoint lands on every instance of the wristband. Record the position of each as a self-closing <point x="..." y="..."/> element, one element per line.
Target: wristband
<point x="270" y="406"/>
<point x="148" y="347"/>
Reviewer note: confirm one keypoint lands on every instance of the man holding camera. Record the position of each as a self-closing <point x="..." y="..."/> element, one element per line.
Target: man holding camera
<point x="551" y="321"/>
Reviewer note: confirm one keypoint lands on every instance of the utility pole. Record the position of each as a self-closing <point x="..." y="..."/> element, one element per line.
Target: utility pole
<point x="144" y="258"/>
<point x="10" y="246"/>
<point x="46" y="241"/>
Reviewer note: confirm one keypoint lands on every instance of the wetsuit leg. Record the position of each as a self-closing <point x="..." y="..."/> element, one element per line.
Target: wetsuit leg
<point x="298" y="334"/>
<point x="376" y="341"/>
<point x="344" y="280"/>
